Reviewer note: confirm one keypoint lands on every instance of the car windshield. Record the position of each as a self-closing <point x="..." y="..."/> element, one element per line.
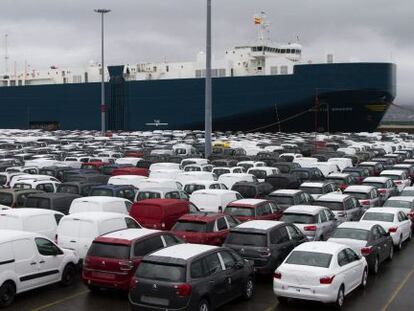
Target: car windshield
<point x="88" y="166"/>
<point x="191" y="226"/>
<point x="107" y="250"/>
<point x="358" y="195"/>
<point x="68" y="189"/>
<point x="313" y="259"/>
<point x="387" y="217"/>
<point x="22" y="186"/>
<point x="351" y="233"/>
<point x="245" y="191"/>
<point x="353" y="173"/>
<point x="161" y="272"/>
<point x="239" y="211"/>
<point x="101" y="192"/>
<point x="299" y="218"/>
<point x="312" y="190"/>
<point x="334" y="206"/>
<point x="258" y="173"/>
<point x="393" y="177"/>
<point x="407" y="193"/>
<point x="220" y="172"/>
<point x="3" y="180"/>
<point x="192" y="169"/>
<point x="144" y="195"/>
<point x="301" y="174"/>
<point x="247" y="238"/>
<point x="374" y="184"/>
<point x="397" y="203"/>
<point x="282" y="199"/>
<point x="6" y="199"/>
<point x="338" y="181"/>
<point x="193" y="187"/>
<point x="37" y="202"/>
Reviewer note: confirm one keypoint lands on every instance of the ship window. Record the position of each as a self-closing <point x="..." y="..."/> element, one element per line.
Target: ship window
<point x="284" y="70"/>
<point x="260" y="48"/>
<point x="283" y="51"/>
<point x="222" y="72"/>
<point x="273" y="70"/>
<point x="20" y="82"/>
<point x="86" y="77"/>
<point x="155" y="68"/>
<point x="259" y="68"/>
<point x="167" y="68"/>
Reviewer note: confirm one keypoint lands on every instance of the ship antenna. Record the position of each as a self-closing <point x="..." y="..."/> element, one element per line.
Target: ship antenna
<point x="6" y="54"/>
<point x="263" y="27"/>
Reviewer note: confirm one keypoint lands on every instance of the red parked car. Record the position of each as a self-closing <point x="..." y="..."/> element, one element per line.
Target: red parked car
<point x="113" y="258"/>
<point x="253" y="209"/>
<point x="204" y="228"/>
<point x="160" y="214"/>
<point x="130" y="171"/>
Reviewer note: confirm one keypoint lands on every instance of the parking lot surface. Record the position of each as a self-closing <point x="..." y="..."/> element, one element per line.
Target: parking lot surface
<point x="390" y="290"/>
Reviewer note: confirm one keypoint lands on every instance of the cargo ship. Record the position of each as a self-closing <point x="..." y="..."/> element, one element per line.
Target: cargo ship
<point x="261" y="86"/>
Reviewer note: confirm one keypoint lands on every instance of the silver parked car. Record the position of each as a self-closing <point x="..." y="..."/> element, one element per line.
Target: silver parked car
<point x="317" y="223"/>
<point x="367" y="195"/>
<point x="344" y="206"/>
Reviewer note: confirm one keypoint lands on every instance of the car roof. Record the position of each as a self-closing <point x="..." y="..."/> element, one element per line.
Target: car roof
<point x="359" y="188"/>
<point x="183" y="251"/>
<point x="357" y="225"/>
<point x="259" y="224"/>
<point x="94" y="216"/>
<point x="213" y="191"/>
<point x="320" y="247"/>
<point x="28" y="212"/>
<point x="338" y="175"/>
<point x="247" y="202"/>
<point x="315" y="184"/>
<point x="100" y="199"/>
<point x="376" y="179"/>
<point x="126" y="236"/>
<point x="402" y="198"/>
<point x="304" y="209"/>
<point x="392" y="172"/>
<point x="201" y="217"/>
<point x="7" y="235"/>
<point x="334" y="196"/>
<point x="390" y="210"/>
<point x="286" y="192"/>
<point x="163" y="202"/>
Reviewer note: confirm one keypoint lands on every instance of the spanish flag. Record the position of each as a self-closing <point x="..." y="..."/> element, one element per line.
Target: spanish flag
<point x="258" y="20"/>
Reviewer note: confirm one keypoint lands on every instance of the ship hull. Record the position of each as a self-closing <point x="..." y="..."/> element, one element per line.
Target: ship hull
<point x="323" y="97"/>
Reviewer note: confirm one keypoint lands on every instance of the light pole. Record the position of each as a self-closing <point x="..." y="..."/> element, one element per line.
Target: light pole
<point x="103" y="107"/>
<point x="208" y="99"/>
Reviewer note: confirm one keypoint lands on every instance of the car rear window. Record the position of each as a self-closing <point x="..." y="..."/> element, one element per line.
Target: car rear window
<point x="101" y="192"/>
<point x="193" y="226"/>
<point x="334" y="206"/>
<point x="6" y="199"/>
<point x="299" y="218"/>
<point x="358" y="195"/>
<point x="351" y="233"/>
<point x="245" y="191"/>
<point x="239" y="211"/>
<point x="3" y="180"/>
<point x="37" y="202"/>
<point x="247" y="238"/>
<point x="374" y="184"/>
<point x="313" y="259"/>
<point x="107" y="250"/>
<point x="261" y="174"/>
<point x="387" y="217"/>
<point x="282" y="199"/>
<point x="312" y="190"/>
<point x="68" y="189"/>
<point x="144" y="195"/>
<point x="337" y="181"/>
<point x="161" y="272"/>
<point x="397" y="203"/>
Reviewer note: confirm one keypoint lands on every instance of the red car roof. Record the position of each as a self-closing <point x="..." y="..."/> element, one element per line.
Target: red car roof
<point x="201" y="217"/>
<point x="162" y="202"/>
<point x="246" y="205"/>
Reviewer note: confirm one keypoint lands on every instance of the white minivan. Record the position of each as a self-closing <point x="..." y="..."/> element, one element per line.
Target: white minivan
<point x="38" y="220"/>
<point x="29" y="260"/>
<point x="77" y="231"/>
<point x="100" y="204"/>
<point x="213" y="200"/>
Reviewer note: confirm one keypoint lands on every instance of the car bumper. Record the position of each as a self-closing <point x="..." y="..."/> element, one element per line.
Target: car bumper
<point x="262" y="266"/>
<point x="325" y="294"/>
<point x="122" y="284"/>
<point x="143" y="307"/>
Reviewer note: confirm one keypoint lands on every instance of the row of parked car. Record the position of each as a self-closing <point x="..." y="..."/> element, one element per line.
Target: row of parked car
<point x="177" y="231"/>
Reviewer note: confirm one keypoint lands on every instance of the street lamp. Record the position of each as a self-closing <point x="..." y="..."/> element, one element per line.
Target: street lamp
<point x="208" y="94"/>
<point x="103" y="107"/>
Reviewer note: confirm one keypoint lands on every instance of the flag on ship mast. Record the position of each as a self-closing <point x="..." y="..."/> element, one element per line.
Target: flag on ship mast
<point x="258" y="20"/>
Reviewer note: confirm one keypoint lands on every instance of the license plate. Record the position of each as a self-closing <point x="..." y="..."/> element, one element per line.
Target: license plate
<point x="155" y="300"/>
<point x="103" y="275"/>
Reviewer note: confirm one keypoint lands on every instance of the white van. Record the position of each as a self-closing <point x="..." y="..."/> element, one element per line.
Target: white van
<point x="230" y="179"/>
<point x="100" y="204"/>
<point x="24" y="257"/>
<point x="213" y="200"/>
<point x="38" y="220"/>
<point x="127" y="180"/>
<point x="164" y="166"/>
<point x="305" y="161"/>
<point x="325" y="167"/>
<point x="28" y="177"/>
<point x="128" y="161"/>
<point x="150" y="182"/>
<point x="164" y="174"/>
<point x="77" y="231"/>
<point x="184" y="177"/>
<point x="341" y="162"/>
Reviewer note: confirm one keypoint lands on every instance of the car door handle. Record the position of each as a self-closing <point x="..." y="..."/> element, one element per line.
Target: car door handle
<point x="33" y="263"/>
<point x="72" y="241"/>
<point x="42" y="261"/>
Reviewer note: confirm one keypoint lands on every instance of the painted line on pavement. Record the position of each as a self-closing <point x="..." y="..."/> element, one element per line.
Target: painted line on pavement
<point x="60" y="301"/>
<point x="397" y="291"/>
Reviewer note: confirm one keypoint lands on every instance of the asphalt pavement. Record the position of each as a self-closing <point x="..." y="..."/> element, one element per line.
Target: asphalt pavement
<point x="391" y="289"/>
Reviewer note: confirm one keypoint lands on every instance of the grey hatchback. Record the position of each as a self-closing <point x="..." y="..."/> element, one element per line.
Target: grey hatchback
<point x="190" y="277"/>
<point x="264" y="243"/>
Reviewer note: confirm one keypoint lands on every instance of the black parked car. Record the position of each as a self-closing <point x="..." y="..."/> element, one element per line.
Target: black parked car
<point x="55" y="171"/>
<point x="264" y="243"/>
<point x="286" y="167"/>
<point x="55" y="201"/>
<point x="308" y="174"/>
<point x="76" y="187"/>
<point x="283" y="181"/>
<point x="188" y="277"/>
<point x="252" y="190"/>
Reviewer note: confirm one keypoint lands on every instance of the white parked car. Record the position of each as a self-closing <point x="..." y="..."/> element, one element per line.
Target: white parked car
<point x="38" y="220"/>
<point x="184" y="177"/>
<point x="393" y="220"/>
<point x="399" y="177"/>
<point x="100" y="204"/>
<point x="213" y="200"/>
<point x="128" y="180"/>
<point x="77" y="231"/>
<point x="320" y="271"/>
<point x="28" y="261"/>
<point x="230" y="179"/>
<point x="263" y="171"/>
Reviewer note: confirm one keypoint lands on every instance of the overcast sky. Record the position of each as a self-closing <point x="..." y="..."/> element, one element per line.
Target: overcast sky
<point x="66" y="32"/>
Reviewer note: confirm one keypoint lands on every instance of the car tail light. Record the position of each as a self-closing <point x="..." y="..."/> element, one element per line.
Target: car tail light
<point x="366" y="250"/>
<point x="392" y="230"/>
<point x="277" y="275"/>
<point x="183" y="290"/>
<point x="364" y="202"/>
<point x="163" y="225"/>
<point x="265" y="252"/>
<point x="133" y="283"/>
<point x="310" y="228"/>
<point x="126" y="265"/>
<point x="410" y="215"/>
<point x="343" y="214"/>
<point x="343" y="186"/>
<point x="397" y="182"/>
<point x="382" y="191"/>
<point x="326" y="280"/>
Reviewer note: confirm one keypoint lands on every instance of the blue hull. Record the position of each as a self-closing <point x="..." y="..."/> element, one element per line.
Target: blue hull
<point x="334" y="97"/>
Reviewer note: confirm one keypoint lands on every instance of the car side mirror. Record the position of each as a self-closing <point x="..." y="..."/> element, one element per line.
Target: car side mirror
<point x="239" y="265"/>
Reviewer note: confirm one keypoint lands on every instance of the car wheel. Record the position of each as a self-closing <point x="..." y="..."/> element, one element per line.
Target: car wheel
<point x="282" y="300"/>
<point x="410" y="236"/>
<point x="391" y="255"/>
<point x="321" y="238"/>
<point x="68" y="275"/>
<point x="7" y="294"/>
<point x="204" y="305"/>
<point x="375" y="267"/>
<point x="364" y="280"/>
<point x="399" y="246"/>
<point x="248" y="289"/>
<point x="340" y="298"/>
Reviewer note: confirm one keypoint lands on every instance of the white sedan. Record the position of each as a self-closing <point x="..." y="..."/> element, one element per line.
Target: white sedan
<point x="393" y="220"/>
<point x="320" y="271"/>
